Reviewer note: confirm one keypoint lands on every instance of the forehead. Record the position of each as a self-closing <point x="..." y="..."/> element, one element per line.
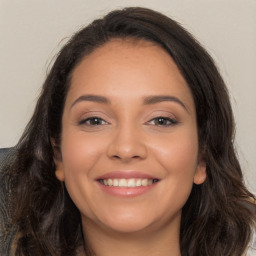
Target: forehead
<point x="129" y="54"/>
<point x="121" y="67"/>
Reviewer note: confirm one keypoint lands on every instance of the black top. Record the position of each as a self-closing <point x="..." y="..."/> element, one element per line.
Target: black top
<point x="7" y="233"/>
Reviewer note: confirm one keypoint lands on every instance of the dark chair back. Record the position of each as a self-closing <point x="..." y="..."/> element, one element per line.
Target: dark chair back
<point x="3" y="153"/>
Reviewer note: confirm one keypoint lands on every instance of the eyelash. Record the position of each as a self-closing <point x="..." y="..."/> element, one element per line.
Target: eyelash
<point x="164" y="121"/>
<point x="93" y="118"/>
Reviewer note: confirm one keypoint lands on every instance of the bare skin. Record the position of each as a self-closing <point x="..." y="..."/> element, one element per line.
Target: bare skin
<point x="129" y="110"/>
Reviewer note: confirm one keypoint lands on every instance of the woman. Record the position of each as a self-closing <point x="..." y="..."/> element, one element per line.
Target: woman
<point x="130" y="149"/>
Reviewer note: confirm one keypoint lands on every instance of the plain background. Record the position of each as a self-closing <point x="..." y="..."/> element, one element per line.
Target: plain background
<point x="32" y="32"/>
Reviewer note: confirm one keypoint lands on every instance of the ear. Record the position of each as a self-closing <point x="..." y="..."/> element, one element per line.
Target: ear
<point x="59" y="171"/>
<point x="200" y="174"/>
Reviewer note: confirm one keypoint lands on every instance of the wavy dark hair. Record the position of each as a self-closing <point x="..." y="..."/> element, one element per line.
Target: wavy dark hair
<point x="216" y="219"/>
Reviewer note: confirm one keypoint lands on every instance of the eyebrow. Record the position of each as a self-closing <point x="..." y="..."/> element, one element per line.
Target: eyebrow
<point x="149" y="100"/>
<point x="92" y="98"/>
<point x="161" y="98"/>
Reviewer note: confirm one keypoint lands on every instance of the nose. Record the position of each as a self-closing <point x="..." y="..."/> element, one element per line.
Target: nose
<point x="126" y="145"/>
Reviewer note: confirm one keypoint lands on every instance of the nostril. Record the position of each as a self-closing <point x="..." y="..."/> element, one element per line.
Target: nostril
<point x="125" y="157"/>
<point x="126" y="150"/>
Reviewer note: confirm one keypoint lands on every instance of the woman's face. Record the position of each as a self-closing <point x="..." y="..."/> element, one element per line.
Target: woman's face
<point x="129" y="144"/>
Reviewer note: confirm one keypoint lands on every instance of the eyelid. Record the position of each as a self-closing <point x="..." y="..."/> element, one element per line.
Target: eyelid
<point x="172" y="120"/>
<point x="157" y="113"/>
<point x="90" y="115"/>
<point x="83" y="121"/>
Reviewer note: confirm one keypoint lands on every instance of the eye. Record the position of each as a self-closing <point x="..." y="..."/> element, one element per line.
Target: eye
<point x="93" y="121"/>
<point x="163" y="121"/>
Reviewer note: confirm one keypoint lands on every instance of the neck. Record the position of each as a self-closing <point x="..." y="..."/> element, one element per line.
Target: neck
<point x="163" y="241"/>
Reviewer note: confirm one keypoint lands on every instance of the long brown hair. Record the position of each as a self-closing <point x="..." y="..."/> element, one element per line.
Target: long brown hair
<point x="215" y="219"/>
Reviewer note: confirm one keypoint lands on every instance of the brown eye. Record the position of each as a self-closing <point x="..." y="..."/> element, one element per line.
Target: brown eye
<point x="94" y="121"/>
<point x="163" y="121"/>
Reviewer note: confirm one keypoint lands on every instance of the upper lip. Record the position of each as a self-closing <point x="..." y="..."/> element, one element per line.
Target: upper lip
<point x="127" y="174"/>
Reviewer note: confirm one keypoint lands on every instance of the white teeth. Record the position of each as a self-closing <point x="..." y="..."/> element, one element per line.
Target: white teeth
<point x="115" y="182"/>
<point x="131" y="183"/>
<point x="138" y="183"/>
<point x="144" y="182"/>
<point x="122" y="183"/>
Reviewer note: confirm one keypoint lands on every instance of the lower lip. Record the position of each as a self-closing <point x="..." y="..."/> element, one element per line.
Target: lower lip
<point x="126" y="191"/>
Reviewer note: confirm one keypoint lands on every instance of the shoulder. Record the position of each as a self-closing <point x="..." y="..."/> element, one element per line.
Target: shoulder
<point x="7" y="232"/>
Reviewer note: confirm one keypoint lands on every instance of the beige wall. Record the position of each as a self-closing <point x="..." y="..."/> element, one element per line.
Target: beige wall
<point x="32" y="31"/>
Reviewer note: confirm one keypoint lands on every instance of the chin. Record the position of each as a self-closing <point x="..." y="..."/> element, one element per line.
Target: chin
<point x="122" y="219"/>
<point x="127" y="220"/>
<point x="128" y="226"/>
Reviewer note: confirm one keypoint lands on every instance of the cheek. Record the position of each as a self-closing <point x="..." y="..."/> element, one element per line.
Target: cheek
<point x="178" y="156"/>
<point x="179" y="153"/>
<point x="80" y="152"/>
<point x="184" y="157"/>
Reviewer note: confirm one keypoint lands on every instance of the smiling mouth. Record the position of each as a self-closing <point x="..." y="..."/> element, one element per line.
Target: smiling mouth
<point x="128" y="183"/>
